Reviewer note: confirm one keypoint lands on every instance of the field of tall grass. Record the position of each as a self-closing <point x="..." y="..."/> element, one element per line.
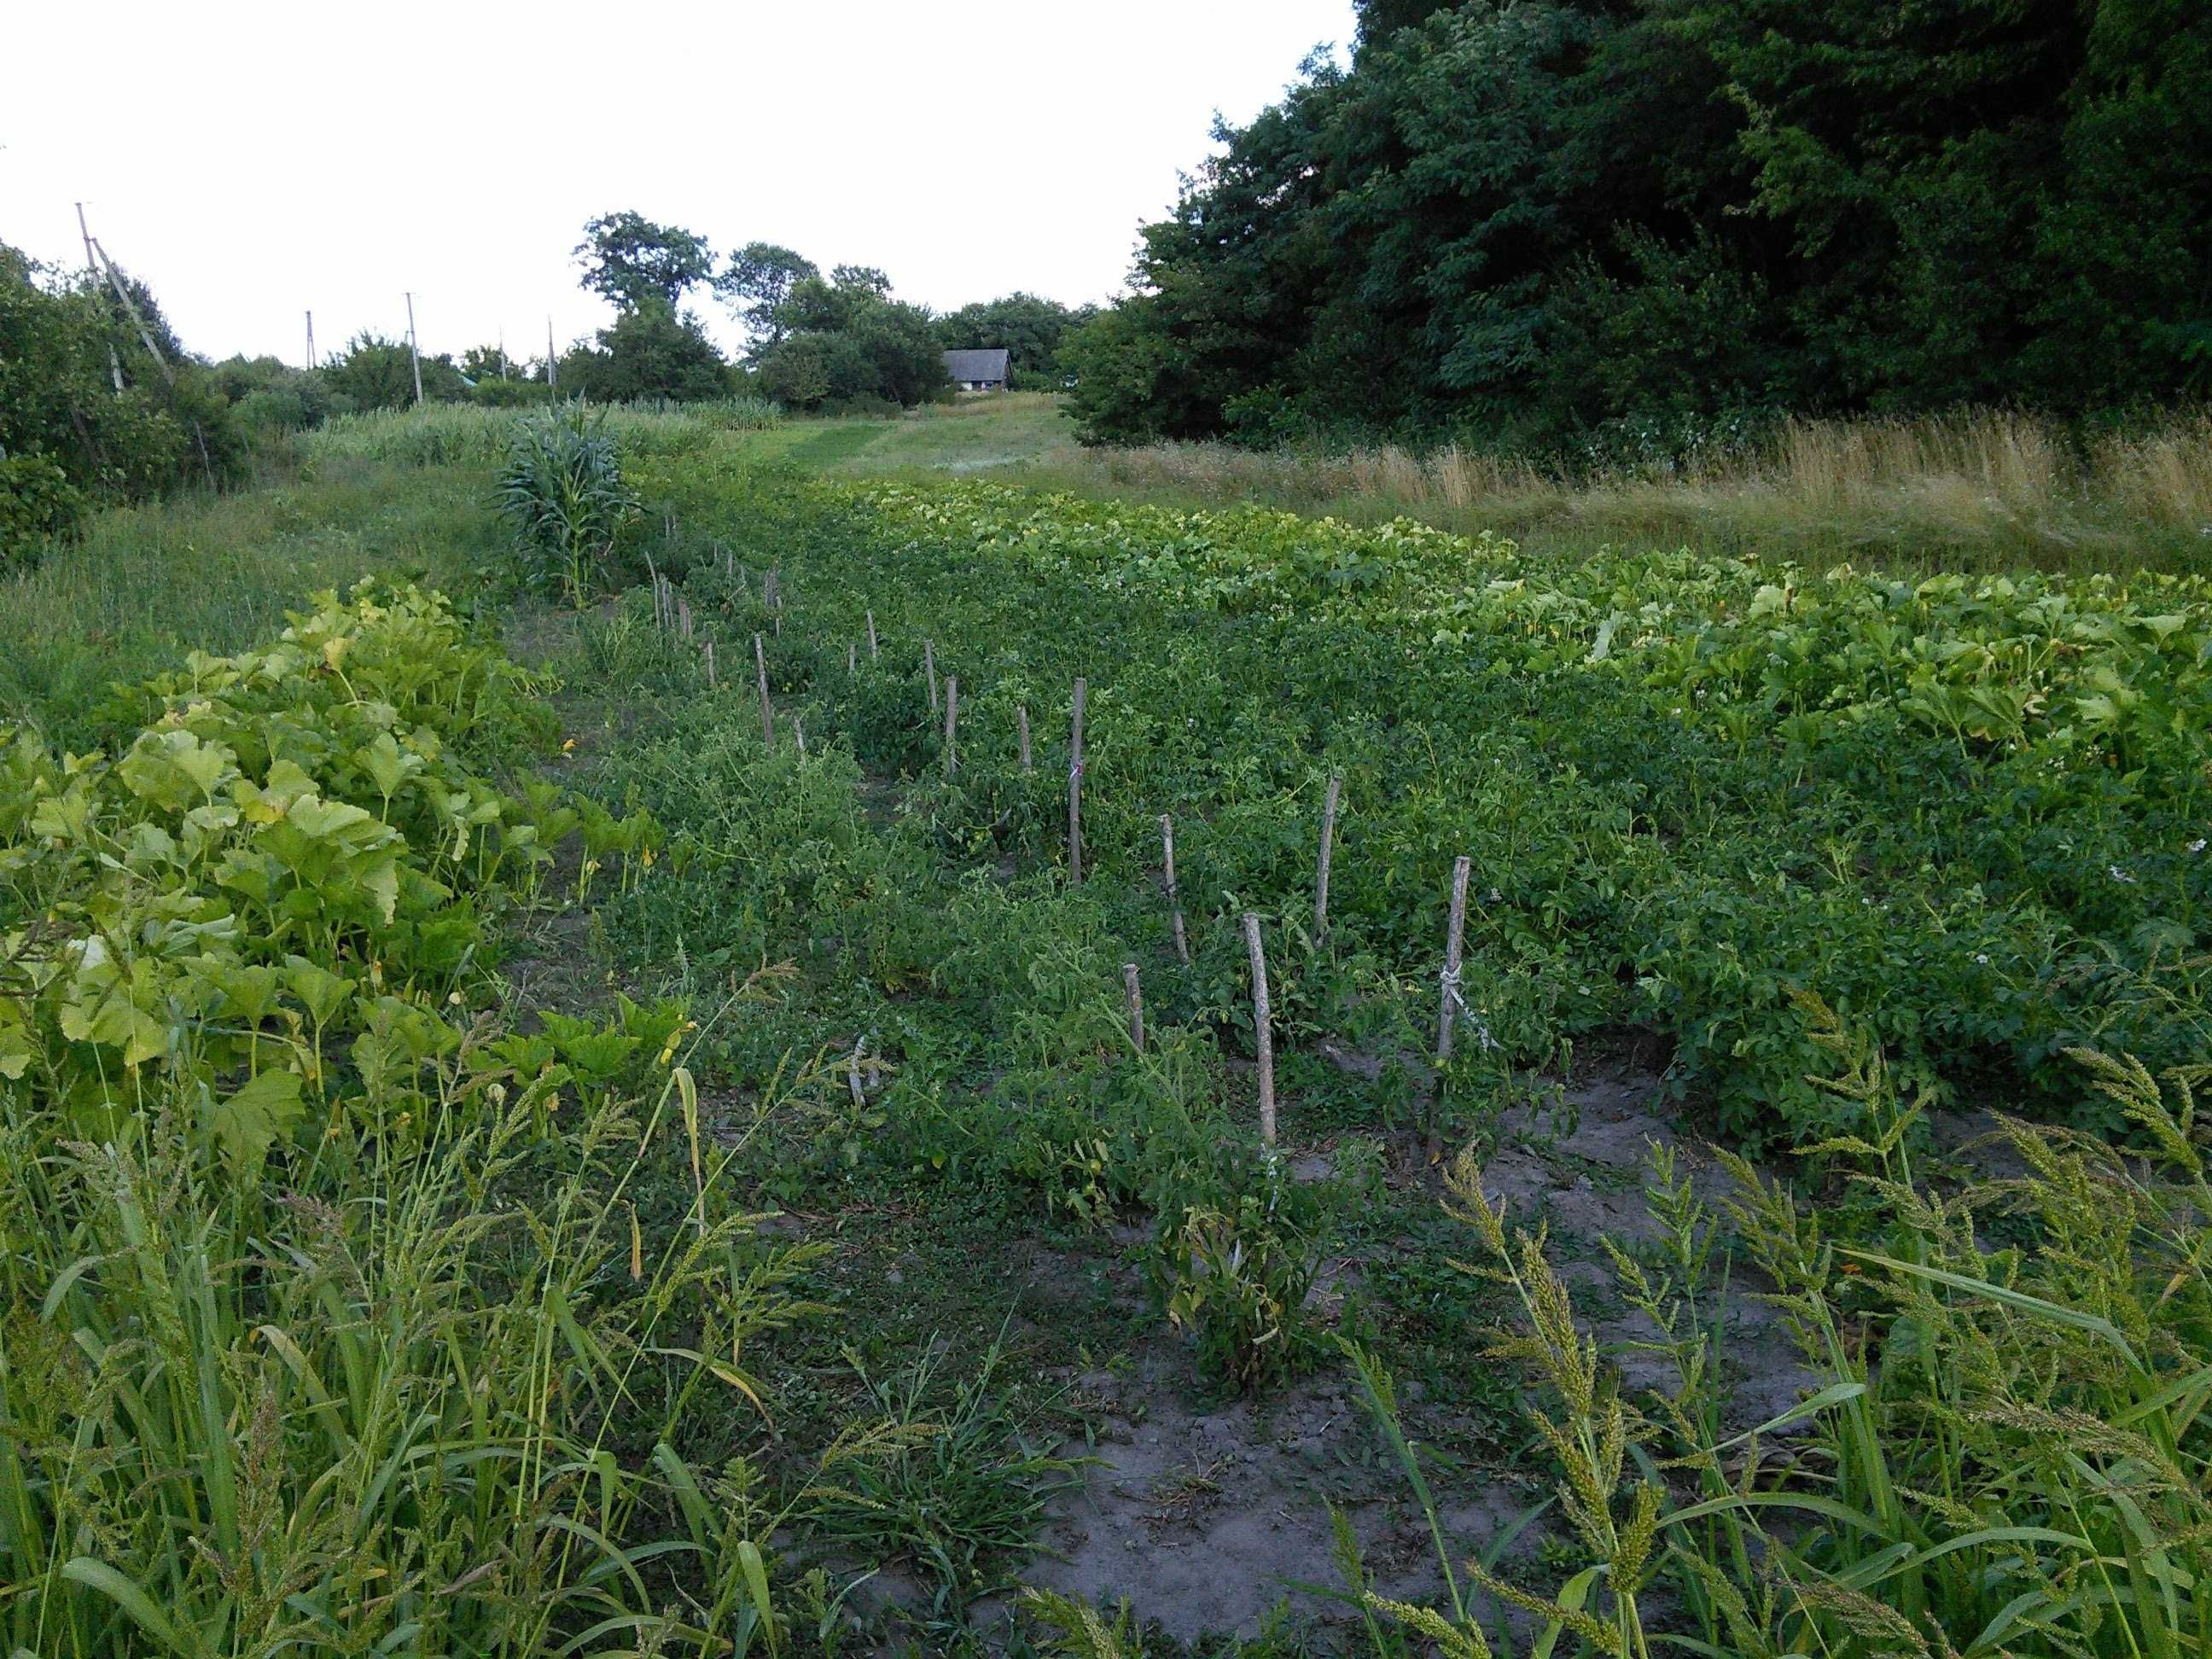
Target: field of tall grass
<point x="145" y="585"/>
<point x="442" y="434"/>
<point x="1983" y="489"/>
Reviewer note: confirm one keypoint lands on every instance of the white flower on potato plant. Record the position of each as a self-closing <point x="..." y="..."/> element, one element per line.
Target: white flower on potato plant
<point x="1981" y="957"/>
<point x="2119" y="874"/>
<point x="2197" y="846"/>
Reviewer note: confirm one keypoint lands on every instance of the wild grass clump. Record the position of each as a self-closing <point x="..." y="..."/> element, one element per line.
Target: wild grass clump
<point x="143" y="586"/>
<point x="398" y="1408"/>
<point x="2009" y="1450"/>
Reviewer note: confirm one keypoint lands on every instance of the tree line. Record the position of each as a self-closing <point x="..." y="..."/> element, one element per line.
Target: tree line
<point x="1550" y="224"/>
<point x="88" y="414"/>
<point x="813" y="341"/>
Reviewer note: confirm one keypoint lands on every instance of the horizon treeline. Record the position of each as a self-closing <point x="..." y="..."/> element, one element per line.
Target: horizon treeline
<point x="89" y="414"/>
<point x="1541" y="223"/>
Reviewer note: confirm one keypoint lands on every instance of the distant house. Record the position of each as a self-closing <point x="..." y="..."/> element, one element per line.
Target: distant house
<point x="977" y="371"/>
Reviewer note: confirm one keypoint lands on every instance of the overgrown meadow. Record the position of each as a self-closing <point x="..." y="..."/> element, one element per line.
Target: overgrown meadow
<point x="672" y="1109"/>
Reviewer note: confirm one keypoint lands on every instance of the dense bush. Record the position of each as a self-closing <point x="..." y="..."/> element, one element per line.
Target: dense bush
<point x="70" y="436"/>
<point x="376" y="373"/>
<point x="650" y="350"/>
<point x="845" y="338"/>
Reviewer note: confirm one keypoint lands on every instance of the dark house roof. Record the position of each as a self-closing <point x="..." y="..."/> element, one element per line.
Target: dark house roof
<point x="976" y="365"/>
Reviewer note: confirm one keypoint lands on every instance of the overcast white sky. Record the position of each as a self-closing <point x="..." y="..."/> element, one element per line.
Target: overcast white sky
<point x="254" y="160"/>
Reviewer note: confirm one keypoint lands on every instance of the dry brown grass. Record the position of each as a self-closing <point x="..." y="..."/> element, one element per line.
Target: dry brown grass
<point x="1987" y="487"/>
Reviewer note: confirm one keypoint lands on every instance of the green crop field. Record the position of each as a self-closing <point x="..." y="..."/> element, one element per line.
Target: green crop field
<point x="602" y="1050"/>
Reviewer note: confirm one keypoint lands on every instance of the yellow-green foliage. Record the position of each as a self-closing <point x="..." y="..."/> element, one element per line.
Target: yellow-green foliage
<point x="292" y="852"/>
<point x="328" y="1317"/>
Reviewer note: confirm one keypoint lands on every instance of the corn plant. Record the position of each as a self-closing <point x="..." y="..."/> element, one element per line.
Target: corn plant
<point x="562" y="491"/>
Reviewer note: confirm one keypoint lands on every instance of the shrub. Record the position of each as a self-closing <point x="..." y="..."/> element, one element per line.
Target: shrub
<point x="36" y="501"/>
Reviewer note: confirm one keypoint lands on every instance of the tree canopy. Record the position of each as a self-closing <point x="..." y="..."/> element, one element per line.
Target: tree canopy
<point x="629" y="260"/>
<point x="845" y="340"/>
<point x="86" y="414"/>
<point x="758" y="280"/>
<point x="1531" y="218"/>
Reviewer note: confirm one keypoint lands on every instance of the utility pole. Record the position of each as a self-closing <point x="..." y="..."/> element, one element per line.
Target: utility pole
<point x="114" y="362"/>
<point x="146" y="335"/>
<point x="130" y="305"/>
<point x="503" y="354"/>
<point x="310" y="339"/>
<point x="551" y="354"/>
<point x="414" y="356"/>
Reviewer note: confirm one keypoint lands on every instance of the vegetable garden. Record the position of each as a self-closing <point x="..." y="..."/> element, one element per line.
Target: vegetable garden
<point x="483" y="1190"/>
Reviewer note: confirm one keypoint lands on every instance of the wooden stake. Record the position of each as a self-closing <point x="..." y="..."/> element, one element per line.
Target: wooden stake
<point x="798" y="735"/>
<point x="1175" y="904"/>
<point x="1447" y="1015"/>
<point x="1022" y="731"/>
<point x="768" y="714"/>
<point x="929" y="671"/>
<point x="952" y="721"/>
<point x="853" y="1071"/>
<point x="1262" y="1039"/>
<point x="872" y="652"/>
<point x="709" y="649"/>
<point x="1135" y="994"/>
<point x="1321" y="870"/>
<point x="852" y="659"/>
<point x="684" y="614"/>
<point x="1075" y="786"/>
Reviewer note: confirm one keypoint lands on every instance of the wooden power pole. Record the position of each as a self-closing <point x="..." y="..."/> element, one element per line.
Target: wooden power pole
<point x="549" y="354"/>
<point x="310" y="339"/>
<point x="114" y="362"/>
<point x="414" y="354"/>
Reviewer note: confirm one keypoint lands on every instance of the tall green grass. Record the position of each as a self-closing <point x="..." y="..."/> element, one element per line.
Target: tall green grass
<point x="400" y="1407"/>
<point x="1982" y="489"/>
<point x="465" y="435"/>
<point x="145" y="585"/>
<point x="2009" y="1449"/>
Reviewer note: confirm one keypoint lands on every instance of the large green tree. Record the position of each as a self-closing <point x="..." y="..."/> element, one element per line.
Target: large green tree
<point x="650" y="351"/>
<point x="629" y="260"/>
<point x="86" y="413"/>
<point x="756" y="281"/>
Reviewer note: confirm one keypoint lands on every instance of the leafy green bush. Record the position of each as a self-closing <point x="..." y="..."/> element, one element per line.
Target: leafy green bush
<point x="292" y="849"/>
<point x="80" y="395"/>
<point x="36" y="500"/>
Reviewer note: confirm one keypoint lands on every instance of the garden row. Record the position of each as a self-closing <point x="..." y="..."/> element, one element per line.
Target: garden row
<point x="1971" y="815"/>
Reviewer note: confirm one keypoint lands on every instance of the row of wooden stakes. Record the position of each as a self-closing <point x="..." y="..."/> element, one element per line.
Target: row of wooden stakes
<point x="671" y="612"/>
